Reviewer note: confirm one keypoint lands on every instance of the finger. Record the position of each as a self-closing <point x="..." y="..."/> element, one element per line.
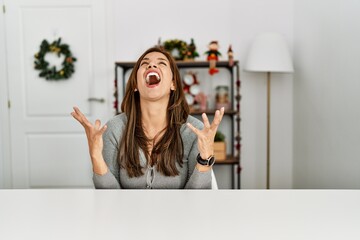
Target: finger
<point x="205" y="120"/>
<point x="74" y="115"/>
<point x="222" y="112"/>
<point x="82" y="116"/>
<point x="102" y="130"/>
<point x="217" y="119"/>
<point x="97" y="124"/>
<point x="78" y="112"/>
<point x="77" y="117"/>
<point x="194" y="129"/>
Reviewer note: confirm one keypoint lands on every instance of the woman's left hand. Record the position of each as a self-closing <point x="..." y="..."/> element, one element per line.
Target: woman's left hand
<point x="207" y="135"/>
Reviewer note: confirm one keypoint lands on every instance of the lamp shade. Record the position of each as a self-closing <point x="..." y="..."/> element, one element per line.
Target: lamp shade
<point x="269" y="53"/>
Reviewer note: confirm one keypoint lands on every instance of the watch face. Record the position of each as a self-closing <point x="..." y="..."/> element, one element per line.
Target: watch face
<point x="206" y="162"/>
<point x="188" y="79"/>
<point x="211" y="161"/>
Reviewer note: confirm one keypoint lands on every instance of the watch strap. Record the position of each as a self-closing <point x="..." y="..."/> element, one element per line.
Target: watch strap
<point x="206" y="162"/>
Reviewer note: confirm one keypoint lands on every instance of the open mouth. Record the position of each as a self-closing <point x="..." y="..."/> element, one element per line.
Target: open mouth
<point x="152" y="78"/>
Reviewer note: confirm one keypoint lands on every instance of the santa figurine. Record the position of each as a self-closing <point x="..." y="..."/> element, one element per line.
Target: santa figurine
<point x="213" y="57"/>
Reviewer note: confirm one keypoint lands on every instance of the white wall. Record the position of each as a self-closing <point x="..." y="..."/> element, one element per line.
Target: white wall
<point x="139" y="24"/>
<point x="326" y="94"/>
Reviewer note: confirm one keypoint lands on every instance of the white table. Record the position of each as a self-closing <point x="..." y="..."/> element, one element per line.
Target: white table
<point x="172" y="214"/>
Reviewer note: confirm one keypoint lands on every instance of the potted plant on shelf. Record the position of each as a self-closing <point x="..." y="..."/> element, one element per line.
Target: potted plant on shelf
<point x="219" y="146"/>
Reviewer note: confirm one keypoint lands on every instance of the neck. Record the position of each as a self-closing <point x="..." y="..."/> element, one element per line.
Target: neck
<point x="153" y="116"/>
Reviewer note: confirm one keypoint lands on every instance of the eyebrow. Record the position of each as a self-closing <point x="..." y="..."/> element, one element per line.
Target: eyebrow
<point x="163" y="59"/>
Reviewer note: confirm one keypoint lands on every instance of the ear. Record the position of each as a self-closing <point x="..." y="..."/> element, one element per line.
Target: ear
<point x="135" y="90"/>
<point x="172" y="87"/>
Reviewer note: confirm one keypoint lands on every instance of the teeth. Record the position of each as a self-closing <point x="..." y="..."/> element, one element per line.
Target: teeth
<point x="152" y="74"/>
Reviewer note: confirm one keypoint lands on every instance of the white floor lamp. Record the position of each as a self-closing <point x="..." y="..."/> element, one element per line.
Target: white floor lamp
<point x="269" y="53"/>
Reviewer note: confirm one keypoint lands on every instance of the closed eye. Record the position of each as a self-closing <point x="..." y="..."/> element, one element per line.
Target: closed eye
<point x="163" y="63"/>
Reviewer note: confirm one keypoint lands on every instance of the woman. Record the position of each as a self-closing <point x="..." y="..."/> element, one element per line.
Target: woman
<point x="154" y="142"/>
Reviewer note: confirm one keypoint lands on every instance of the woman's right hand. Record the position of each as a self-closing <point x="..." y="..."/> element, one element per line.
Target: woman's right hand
<point x="94" y="134"/>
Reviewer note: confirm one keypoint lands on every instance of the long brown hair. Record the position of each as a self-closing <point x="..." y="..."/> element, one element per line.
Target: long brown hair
<point x="169" y="148"/>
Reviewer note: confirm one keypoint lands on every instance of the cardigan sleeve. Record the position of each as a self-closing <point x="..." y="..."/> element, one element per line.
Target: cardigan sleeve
<point x="110" y="153"/>
<point x="196" y="179"/>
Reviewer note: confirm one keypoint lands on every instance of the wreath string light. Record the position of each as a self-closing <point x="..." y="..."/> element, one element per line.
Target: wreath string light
<point x="50" y="72"/>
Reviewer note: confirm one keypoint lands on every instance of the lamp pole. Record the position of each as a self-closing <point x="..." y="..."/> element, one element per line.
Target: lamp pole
<point x="268" y="133"/>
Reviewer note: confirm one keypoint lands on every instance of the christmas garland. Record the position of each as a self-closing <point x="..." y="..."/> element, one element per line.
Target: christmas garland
<point x="51" y="73"/>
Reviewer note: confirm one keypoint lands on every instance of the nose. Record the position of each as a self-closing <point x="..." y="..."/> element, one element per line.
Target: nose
<point x="151" y="65"/>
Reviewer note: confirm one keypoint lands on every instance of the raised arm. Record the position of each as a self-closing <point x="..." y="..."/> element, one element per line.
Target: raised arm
<point x="94" y="134"/>
<point x="200" y="175"/>
<point x="103" y="178"/>
<point x="206" y="137"/>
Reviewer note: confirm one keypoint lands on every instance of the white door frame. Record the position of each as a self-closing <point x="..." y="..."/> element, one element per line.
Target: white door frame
<point x="5" y="161"/>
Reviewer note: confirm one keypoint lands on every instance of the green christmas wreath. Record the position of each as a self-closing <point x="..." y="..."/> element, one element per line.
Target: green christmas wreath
<point x="51" y="73"/>
<point x="177" y="48"/>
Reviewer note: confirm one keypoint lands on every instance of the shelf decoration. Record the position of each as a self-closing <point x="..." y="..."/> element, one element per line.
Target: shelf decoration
<point x="222" y="97"/>
<point x="213" y="56"/>
<point x="219" y="146"/>
<point x="177" y="48"/>
<point x="191" y="52"/>
<point x="201" y="98"/>
<point x="191" y="89"/>
<point x="230" y="56"/>
<point x="50" y="72"/>
<point x="116" y="101"/>
<point x="181" y="50"/>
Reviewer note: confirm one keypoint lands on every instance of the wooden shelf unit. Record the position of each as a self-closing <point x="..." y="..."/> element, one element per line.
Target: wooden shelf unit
<point x="233" y="159"/>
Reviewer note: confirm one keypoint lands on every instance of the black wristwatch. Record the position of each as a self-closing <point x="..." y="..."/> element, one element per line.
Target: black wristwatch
<point x="206" y="162"/>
